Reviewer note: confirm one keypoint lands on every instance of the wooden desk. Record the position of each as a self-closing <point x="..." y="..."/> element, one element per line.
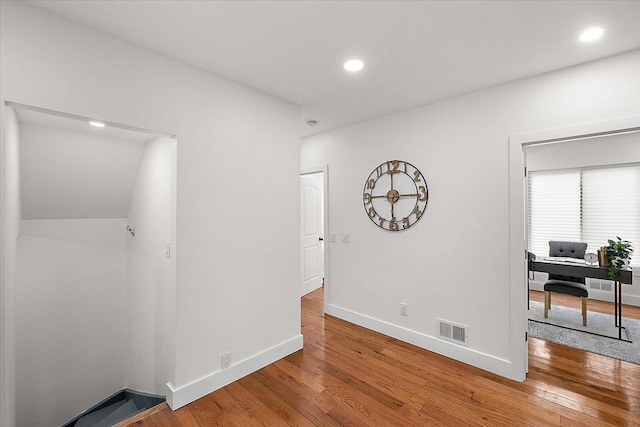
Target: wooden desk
<point x="588" y="271"/>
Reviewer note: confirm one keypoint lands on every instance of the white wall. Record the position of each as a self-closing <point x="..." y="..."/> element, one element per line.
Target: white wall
<point x="10" y="226"/>
<point x="236" y="146"/>
<point x="151" y="286"/>
<point x="53" y="159"/>
<point x="70" y="317"/>
<point x="454" y="263"/>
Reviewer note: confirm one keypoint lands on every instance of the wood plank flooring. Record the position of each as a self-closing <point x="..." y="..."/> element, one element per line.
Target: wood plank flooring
<point x="350" y="376"/>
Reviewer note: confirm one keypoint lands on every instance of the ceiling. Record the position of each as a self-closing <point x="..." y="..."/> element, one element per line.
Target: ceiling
<point x="416" y="52"/>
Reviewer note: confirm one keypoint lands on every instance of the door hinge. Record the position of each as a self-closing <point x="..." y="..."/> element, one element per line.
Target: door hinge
<point x="526" y="336"/>
<point x="525" y="171"/>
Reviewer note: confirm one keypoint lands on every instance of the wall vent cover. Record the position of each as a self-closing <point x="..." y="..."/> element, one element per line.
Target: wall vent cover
<point x="453" y="332"/>
<point x="604" y="285"/>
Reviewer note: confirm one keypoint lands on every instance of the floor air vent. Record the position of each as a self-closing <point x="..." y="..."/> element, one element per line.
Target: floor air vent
<point x="603" y="285"/>
<point x="452" y="331"/>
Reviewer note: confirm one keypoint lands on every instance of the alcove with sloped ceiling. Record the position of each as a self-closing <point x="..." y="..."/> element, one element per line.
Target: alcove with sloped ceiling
<point x="95" y="295"/>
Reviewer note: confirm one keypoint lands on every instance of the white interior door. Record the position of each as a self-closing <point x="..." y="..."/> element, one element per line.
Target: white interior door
<point x="311" y="224"/>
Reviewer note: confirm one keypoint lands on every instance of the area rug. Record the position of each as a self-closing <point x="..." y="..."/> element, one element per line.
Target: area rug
<point x="564" y="326"/>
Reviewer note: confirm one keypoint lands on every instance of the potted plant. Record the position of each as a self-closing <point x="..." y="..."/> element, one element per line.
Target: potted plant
<point x="618" y="256"/>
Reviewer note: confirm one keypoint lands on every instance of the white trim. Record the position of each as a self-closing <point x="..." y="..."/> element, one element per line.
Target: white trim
<point x="308" y="288"/>
<point x="7" y="299"/>
<point x="518" y="349"/>
<point x="464" y="354"/>
<point x="517" y="228"/>
<point x="87" y="119"/>
<point x="596" y="294"/>
<point x="536" y="286"/>
<point x="327" y="243"/>
<point x="313" y="169"/>
<point x="4" y="386"/>
<point x="608" y="296"/>
<point x="629" y="299"/>
<point x="177" y="397"/>
<point x="625" y="124"/>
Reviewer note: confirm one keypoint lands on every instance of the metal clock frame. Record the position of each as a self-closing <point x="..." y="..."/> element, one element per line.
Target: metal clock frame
<point x="421" y="195"/>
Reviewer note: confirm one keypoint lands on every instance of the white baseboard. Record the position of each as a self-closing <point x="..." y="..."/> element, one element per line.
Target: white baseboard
<point x="309" y="288"/>
<point x="630" y="300"/>
<point x="464" y="354"/>
<point x="183" y="395"/>
<point x="536" y="286"/>
<point x="597" y="294"/>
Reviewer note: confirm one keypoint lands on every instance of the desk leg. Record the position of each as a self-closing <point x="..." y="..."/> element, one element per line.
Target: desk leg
<point x="618" y="307"/>
<point x="615" y="299"/>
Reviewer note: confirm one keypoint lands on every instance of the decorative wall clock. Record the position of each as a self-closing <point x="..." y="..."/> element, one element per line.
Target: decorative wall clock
<point x="395" y="195"/>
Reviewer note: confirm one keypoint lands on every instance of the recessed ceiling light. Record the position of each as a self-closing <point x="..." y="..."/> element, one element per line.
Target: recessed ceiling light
<point x="354" y="65"/>
<point x="591" y="34"/>
<point x="97" y="124"/>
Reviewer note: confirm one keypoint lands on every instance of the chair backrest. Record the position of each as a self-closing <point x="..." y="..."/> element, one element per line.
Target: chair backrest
<point x="567" y="249"/>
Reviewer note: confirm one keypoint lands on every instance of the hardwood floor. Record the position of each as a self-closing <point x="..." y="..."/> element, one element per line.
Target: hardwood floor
<point x="350" y="376"/>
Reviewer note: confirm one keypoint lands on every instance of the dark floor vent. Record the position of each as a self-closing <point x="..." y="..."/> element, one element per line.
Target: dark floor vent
<point x="122" y="405"/>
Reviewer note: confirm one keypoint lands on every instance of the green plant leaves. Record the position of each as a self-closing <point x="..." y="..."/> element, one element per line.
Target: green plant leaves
<point x="617" y="252"/>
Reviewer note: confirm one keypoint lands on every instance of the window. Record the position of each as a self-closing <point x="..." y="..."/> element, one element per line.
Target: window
<point x="585" y="205"/>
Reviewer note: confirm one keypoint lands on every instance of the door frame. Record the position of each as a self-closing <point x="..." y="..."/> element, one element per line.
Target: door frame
<point x="324" y="169"/>
<point x="518" y="221"/>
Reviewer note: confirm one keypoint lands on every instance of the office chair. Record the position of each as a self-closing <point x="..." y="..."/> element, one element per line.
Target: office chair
<point x="565" y="284"/>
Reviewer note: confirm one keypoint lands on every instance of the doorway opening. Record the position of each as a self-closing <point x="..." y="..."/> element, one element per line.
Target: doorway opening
<point x="519" y="148"/>
<point x="95" y="290"/>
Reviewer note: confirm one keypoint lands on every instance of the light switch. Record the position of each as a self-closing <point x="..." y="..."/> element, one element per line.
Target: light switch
<point x="332" y="237"/>
<point x="346" y="238"/>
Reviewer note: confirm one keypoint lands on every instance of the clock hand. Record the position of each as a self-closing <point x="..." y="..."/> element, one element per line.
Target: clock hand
<point x="393" y="200"/>
<point x="398" y="195"/>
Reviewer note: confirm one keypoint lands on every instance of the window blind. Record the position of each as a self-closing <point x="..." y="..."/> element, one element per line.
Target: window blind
<point x="611" y="206"/>
<point x="554" y="209"/>
<point x="585" y="205"/>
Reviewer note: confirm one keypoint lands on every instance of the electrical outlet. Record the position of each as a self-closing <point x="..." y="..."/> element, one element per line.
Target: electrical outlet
<point x="332" y="237"/>
<point x="404" y="309"/>
<point x="226" y="360"/>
